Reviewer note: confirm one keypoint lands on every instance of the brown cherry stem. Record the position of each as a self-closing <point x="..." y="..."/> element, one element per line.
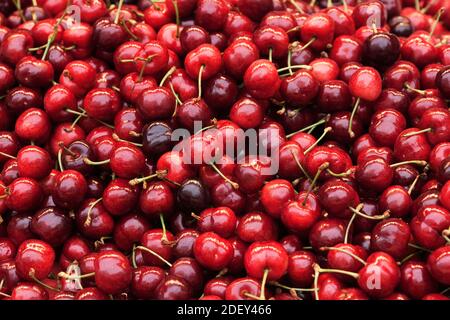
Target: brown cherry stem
<point x="167" y="75"/>
<point x="382" y="216"/>
<point x="348" y="273"/>
<point x="153" y="253"/>
<point x="354" y="256"/>
<point x="64" y="275"/>
<point x="415" y="246"/>
<point x="325" y="131"/>
<point x="296" y="66"/>
<point x="235" y="185"/>
<point x="88" y="220"/>
<point x="7" y="155"/>
<point x="277" y="284"/>
<point x="117" y="138"/>
<point x="199" y="84"/>
<point x="417" y="162"/>
<point x="159" y="174"/>
<point x="296" y="6"/>
<point x="410" y="134"/>
<point x="350" y="123"/>
<point x="133" y="257"/>
<point x="31" y="274"/>
<point x="311" y="126"/>
<point x="322" y="167"/>
<point x="436" y="21"/>
<point x="349" y="226"/>
<point x="95" y="163"/>
<point x="300" y="166"/>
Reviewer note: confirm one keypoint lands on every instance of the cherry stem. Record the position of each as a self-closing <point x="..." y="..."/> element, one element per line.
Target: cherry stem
<point x="297" y="66"/>
<point x="18" y="6"/>
<point x="415" y="246"/>
<point x="340" y="175"/>
<point x="322" y="167"/>
<point x="436" y="21"/>
<point x="7" y="155"/>
<point x="159" y="174"/>
<point x="428" y="6"/>
<point x="164" y="239"/>
<point x="52" y="37"/>
<point x="263" y="284"/>
<point x="167" y="75"/>
<point x="311" y="126"/>
<point x="64" y="275"/>
<point x="277" y="284"/>
<point x="88" y="220"/>
<point x="270" y="54"/>
<point x="133" y="257"/>
<point x="61" y="168"/>
<point x="349" y="226"/>
<point x="421" y="92"/>
<point x="325" y="131"/>
<point x="344" y="2"/>
<point x="329" y="3"/>
<point x="357" y="211"/>
<point x="251" y="296"/>
<point x="216" y="169"/>
<point x="177" y="17"/>
<point x="289" y="57"/>
<point x="306" y="45"/>
<point x="409" y="256"/>
<point x="296" y="6"/>
<point x="445" y="235"/>
<point x="132" y="35"/>
<point x="350" y="123"/>
<point x="413" y="184"/>
<point x="300" y="166"/>
<point x="410" y="134"/>
<point x="95" y="163"/>
<point x="119" y="8"/>
<point x="354" y="256"/>
<point x="31" y="274"/>
<point x="177" y="98"/>
<point x="153" y="253"/>
<point x="199" y="84"/>
<point x="418" y="162"/>
<point x="417" y="4"/>
<point x="348" y="273"/>
<point x="222" y="272"/>
<point x="316" y="281"/>
<point x="195" y="216"/>
<point x="117" y="138"/>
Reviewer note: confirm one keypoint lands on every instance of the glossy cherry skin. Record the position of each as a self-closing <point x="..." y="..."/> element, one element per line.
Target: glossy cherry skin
<point x="51" y="225"/>
<point x="193" y="196"/>
<point x="428" y="224"/>
<point x="247" y="113"/>
<point x="34" y="162"/>
<point x="33" y="125"/>
<point x="336" y="197"/>
<point x="320" y="26"/>
<point x="385" y="127"/>
<point x="205" y="55"/>
<point x="266" y="255"/>
<point x="300" y="88"/>
<point x="127" y="161"/>
<point x="119" y="197"/>
<point x="152" y="239"/>
<point x="129" y="230"/>
<point x="212" y="251"/>
<point x="365" y="83"/>
<point x="368" y="12"/>
<point x="396" y="200"/>
<point x="28" y="291"/>
<point x="174" y="288"/>
<point x="391" y="236"/>
<point x="301" y="268"/>
<point x="34" y="259"/>
<point x="415" y="147"/>
<point x="24" y="194"/>
<point x="381" y="49"/>
<point x="374" y="174"/>
<point x="437" y="264"/>
<point x="70" y="189"/>
<point x="157" y="199"/>
<point x="275" y="194"/>
<point x="15" y="46"/>
<point x="221" y="221"/>
<point x="328" y="286"/>
<point x="236" y="289"/>
<point x="112" y="272"/>
<point x="79" y="77"/>
<point x="145" y="280"/>
<point x="32" y="72"/>
<point x="443" y="81"/>
<point x="443" y="195"/>
<point x="192" y="112"/>
<point x="327" y="233"/>
<point x="255" y="10"/>
<point x="383" y="269"/>
<point x="438" y="120"/>
<point x="256" y="226"/>
<point x="416" y="280"/>
<point x="220" y="93"/>
<point x="261" y="79"/>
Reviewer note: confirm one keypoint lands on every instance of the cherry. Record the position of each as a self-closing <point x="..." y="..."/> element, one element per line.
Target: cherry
<point x="381" y="49"/>
<point x="300" y="88"/>
<point x="318" y="28"/>
<point x="253" y="9"/>
<point x="368" y="13"/>
<point x="328" y="286"/>
<point x="300" y="268"/>
<point x="29" y="291"/>
<point x="185" y="243"/>
<point x="119" y="197"/>
<point x="90" y="294"/>
<point x="188" y="269"/>
<point x="391" y="236"/>
<point x="396" y="200"/>
<point x="79" y="77"/>
<point x="256" y="226"/>
<point x="261" y="79"/>
<point x="443" y="81"/>
<point x="411" y="147"/>
<point x="157" y="199"/>
<point x="327" y="233"/>
<point x="34" y="260"/>
<point x="156" y="244"/>
<point x="437" y="265"/>
<point x="419" y="51"/>
<point x="324" y="69"/>
<point x="15" y="46"/>
<point x="33" y="162"/>
<point x="174" y="288"/>
<point x="212" y="251"/>
<point x="145" y="280"/>
<point x="24" y="194"/>
<point x="217" y="286"/>
<point x="20" y="99"/>
<point x="436" y="122"/>
<point x="429" y="225"/>
<point x="275" y="194"/>
<point x="193" y="111"/>
<point x="416" y="280"/>
<point x="112" y="272"/>
<point x="157" y="139"/>
<point x="51" y="225"/>
<point x="336" y="197"/>
<point x="33" y="125"/>
<point x="69" y="189"/>
<point x="7" y="250"/>
<point x="203" y="62"/>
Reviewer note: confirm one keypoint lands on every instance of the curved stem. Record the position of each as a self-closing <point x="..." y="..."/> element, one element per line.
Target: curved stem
<point x="296" y="66"/>
<point x="117" y="138"/>
<point x="289" y="57"/>
<point x="418" y="162"/>
<point x="95" y="163"/>
<point x="199" y="84"/>
<point x="350" y="123"/>
<point x="415" y="246"/>
<point x="306" y="45"/>
<point x="361" y="214"/>
<point x="348" y="273"/>
<point x="167" y="75"/>
<point x="64" y="275"/>
<point x="322" y="167"/>
<point x="413" y="184"/>
<point x="133" y="257"/>
<point x="263" y="284"/>
<point x="154" y="253"/>
<point x="354" y="256"/>
<point x="119" y="8"/>
<point x="314" y="125"/>
<point x="137" y="181"/>
<point x="235" y="185"/>
<point x="410" y="134"/>
<point x="31" y="274"/>
<point x="325" y="131"/>
<point x="61" y="168"/>
<point x="349" y="226"/>
<point x="300" y="166"/>
<point x="88" y="220"/>
<point x="436" y="21"/>
<point x="177" y="17"/>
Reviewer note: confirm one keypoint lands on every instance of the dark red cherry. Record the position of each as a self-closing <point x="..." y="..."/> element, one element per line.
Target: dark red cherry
<point x="212" y="251"/>
<point x="24" y="194"/>
<point x="256" y="226"/>
<point x="34" y="259"/>
<point x="318" y="28"/>
<point x="69" y="189"/>
<point x="145" y="280"/>
<point x="51" y="225"/>
<point x="437" y="264"/>
<point x="396" y="200"/>
<point x="392" y="237"/>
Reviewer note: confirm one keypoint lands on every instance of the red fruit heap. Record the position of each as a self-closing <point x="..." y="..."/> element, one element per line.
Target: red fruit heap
<point x="99" y="201"/>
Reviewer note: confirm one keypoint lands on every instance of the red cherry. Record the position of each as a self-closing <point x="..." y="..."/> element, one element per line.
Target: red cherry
<point x="212" y="251"/>
<point x="34" y="260"/>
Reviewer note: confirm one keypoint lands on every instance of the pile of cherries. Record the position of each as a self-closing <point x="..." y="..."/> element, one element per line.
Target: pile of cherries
<point x="98" y="202"/>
